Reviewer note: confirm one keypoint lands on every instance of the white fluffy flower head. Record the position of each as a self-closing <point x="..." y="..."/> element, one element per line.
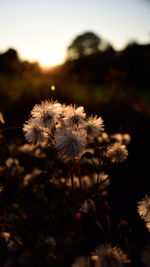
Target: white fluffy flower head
<point x="143" y="208"/>
<point x="111" y="256"/>
<point x="73" y="116"/>
<point x="126" y="139"/>
<point x="69" y="144"/>
<point x="47" y="113"/>
<point x="94" y="126"/>
<point x="33" y="132"/>
<point x="117" y="137"/>
<point x="148" y="226"/>
<point x="117" y="152"/>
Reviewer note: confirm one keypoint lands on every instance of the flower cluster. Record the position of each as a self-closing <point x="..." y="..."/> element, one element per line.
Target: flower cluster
<point x="65" y="126"/>
<point x="70" y="130"/>
<point x="78" y="191"/>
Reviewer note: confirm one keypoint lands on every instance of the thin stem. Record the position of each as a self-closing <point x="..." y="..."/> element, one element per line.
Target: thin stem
<point x="102" y="182"/>
<point x="51" y="136"/>
<point x="96" y="187"/>
<point x="101" y="228"/>
<point x="3" y="139"/>
<point x="79" y="173"/>
<point x="15" y="241"/>
<point x="100" y="163"/>
<point x="72" y="179"/>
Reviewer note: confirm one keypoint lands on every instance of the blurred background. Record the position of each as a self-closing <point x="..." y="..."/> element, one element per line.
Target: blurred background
<point x="92" y="53"/>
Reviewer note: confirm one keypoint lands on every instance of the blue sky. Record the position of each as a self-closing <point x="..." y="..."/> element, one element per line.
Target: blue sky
<point x="42" y="29"/>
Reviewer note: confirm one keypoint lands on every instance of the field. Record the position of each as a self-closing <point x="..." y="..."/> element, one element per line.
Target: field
<point x="71" y="185"/>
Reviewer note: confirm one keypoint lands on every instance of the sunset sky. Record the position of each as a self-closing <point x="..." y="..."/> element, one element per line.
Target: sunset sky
<point x="41" y="30"/>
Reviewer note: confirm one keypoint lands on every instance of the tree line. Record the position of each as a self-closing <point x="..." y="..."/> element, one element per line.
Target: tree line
<point x="90" y="59"/>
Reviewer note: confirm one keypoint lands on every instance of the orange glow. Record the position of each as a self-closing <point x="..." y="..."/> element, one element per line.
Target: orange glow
<point x="49" y="57"/>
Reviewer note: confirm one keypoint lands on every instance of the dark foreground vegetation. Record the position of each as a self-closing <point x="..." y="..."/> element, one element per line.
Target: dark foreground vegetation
<point x="41" y="220"/>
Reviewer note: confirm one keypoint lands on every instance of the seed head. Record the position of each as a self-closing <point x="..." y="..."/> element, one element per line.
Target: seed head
<point x="33" y="132"/>
<point x="143" y="208"/>
<point x="111" y="256"/>
<point x="94" y="126"/>
<point x="69" y="144"/>
<point x="117" y="152"/>
<point x="73" y="116"/>
<point x="47" y="113"/>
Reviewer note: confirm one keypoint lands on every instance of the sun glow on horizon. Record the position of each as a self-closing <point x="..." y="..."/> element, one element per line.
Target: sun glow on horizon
<point x="49" y="61"/>
<point x="42" y="30"/>
<point x="49" y="57"/>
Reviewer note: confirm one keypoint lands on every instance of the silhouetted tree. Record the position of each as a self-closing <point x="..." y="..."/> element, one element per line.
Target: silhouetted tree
<point x="9" y="61"/>
<point x="83" y="45"/>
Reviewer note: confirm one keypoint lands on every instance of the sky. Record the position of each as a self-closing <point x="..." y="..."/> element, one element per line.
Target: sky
<point x="41" y="30"/>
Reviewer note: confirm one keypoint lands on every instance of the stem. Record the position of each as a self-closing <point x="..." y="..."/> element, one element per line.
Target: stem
<point x="96" y="187"/>
<point x="99" y="165"/>
<point x="3" y="139"/>
<point x="51" y="136"/>
<point x="102" y="182"/>
<point x="72" y="180"/>
<point x="15" y="241"/>
<point x="79" y="173"/>
<point x="101" y="228"/>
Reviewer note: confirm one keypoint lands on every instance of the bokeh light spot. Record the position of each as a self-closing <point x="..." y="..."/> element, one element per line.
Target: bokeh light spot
<point x="53" y="87"/>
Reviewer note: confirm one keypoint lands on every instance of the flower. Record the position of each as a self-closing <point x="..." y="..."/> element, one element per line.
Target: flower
<point x="143" y="208"/>
<point x="111" y="256"/>
<point x="117" y="137"/>
<point x="117" y="152"/>
<point x="94" y="126"/>
<point x="13" y="165"/>
<point x="26" y="148"/>
<point x="33" y="132"/>
<point x="69" y="144"/>
<point x="81" y="262"/>
<point x="104" y="137"/>
<point x="12" y="162"/>
<point x="126" y="139"/>
<point x="29" y="177"/>
<point x="6" y="235"/>
<point x="73" y="116"/>
<point x="148" y="226"/>
<point x="47" y="113"/>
